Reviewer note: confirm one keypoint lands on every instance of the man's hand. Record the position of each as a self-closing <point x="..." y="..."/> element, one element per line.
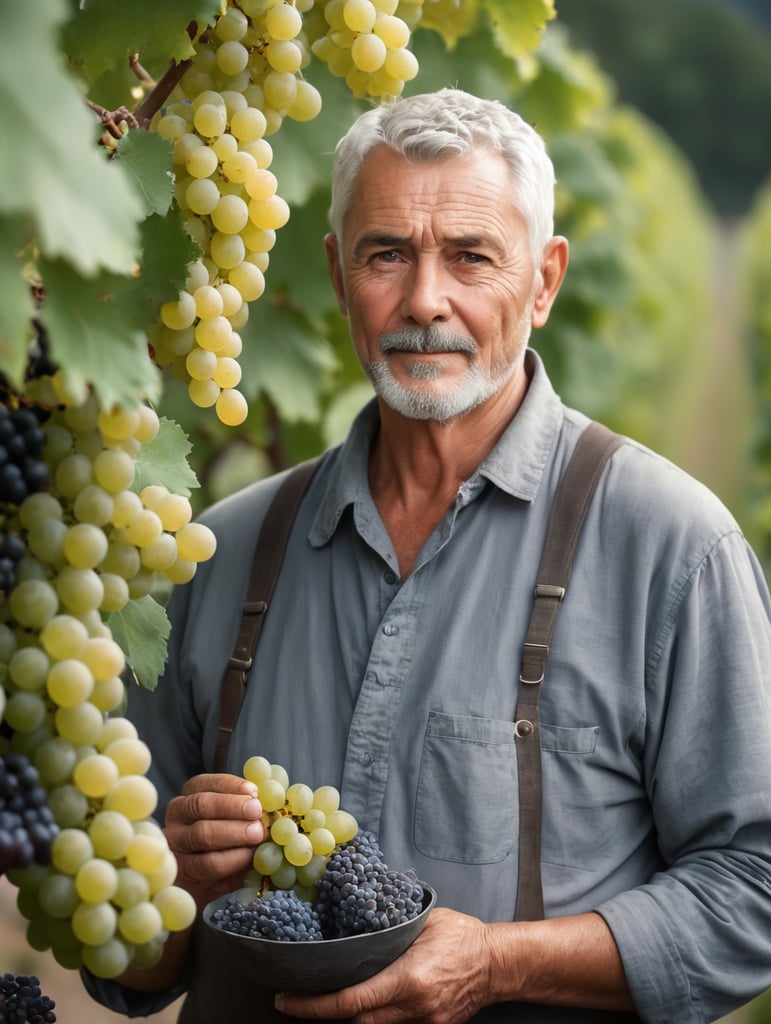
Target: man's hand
<point x="443" y="978"/>
<point x="213" y="828"/>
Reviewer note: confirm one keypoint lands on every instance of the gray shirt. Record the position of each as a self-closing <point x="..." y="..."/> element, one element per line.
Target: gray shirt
<point x="656" y="731"/>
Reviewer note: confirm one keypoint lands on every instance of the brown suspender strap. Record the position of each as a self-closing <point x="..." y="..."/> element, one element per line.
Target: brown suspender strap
<point x="571" y="501"/>
<point x="268" y="555"/>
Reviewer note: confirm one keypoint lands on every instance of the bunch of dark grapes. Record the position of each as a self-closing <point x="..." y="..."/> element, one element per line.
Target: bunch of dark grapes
<point x="27" y="825"/>
<point x="21" y="1001"/>
<point x="280" y="915"/>
<point x="22" y="470"/>
<point x="358" y="892"/>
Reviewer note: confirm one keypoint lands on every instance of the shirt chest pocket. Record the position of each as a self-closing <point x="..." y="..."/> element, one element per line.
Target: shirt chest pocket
<point x="467" y="802"/>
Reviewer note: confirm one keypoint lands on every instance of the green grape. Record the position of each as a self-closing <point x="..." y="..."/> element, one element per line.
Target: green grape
<point x="110" y="833"/>
<point x="94" y="923"/>
<point x="285" y="876"/>
<point x="115" y="729"/>
<point x="70" y="850"/>
<point x="96" y="880"/>
<point x="64" y="636"/>
<point x="232" y="408"/>
<point x="230" y="215"/>
<point x="133" y="887"/>
<point x="72" y="475"/>
<point x="394" y="32"/>
<point x="212" y="334"/>
<point x="196" y="542"/>
<point x="108" y="694"/>
<point x="94" y="505"/>
<point x="126" y="507"/>
<point x="342" y="825"/>
<point x="81" y="724"/>
<point x="38" y="507"/>
<point x="55" y="760"/>
<point x="322" y="840"/>
<point x="313" y="819"/>
<point x="140" y="922"/>
<point x="179" y="314"/>
<point x="201" y="163"/>
<point x="267" y="858"/>
<point x="148" y="954"/>
<point x="85" y="545"/>
<point x="103" y="657"/>
<point x="271" y="794"/>
<point x="79" y="590"/>
<point x="114" y="470"/>
<point x="46" y="541"/>
<point x="116" y="592"/>
<point x="201" y="364"/>
<point x="299" y="798"/>
<point x="146" y="853"/>
<point x="175" y="511"/>
<point x="310" y="873"/>
<point x="68" y="805"/>
<point x="58" y="896"/>
<point x="299" y="850"/>
<point x="283" y="21"/>
<point x="359" y="15"/>
<point x="131" y="756"/>
<point x="69" y="682"/>
<point x="177" y="908"/>
<point x="204" y="394"/>
<point x="25" y="712"/>
<point x="33" y="603"/>
<point x="209" y="120"/>
<point x="118" y="422"/>
<point x="95" y="775"/>
<point x="282" y="830"/>
<point x="165" y="875"/>
<point x="109" y="959"/>
<point x="249" y="281"/>
<point x="132" y="795"/>
<point x="326" y="799"/>
<point x="28" y="668"/>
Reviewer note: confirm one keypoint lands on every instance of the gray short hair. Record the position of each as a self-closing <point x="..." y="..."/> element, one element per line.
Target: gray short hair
<point x="450" y="121"/>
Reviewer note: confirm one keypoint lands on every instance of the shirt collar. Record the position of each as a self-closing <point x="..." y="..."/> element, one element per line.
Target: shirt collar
<point x="515" y="465"/>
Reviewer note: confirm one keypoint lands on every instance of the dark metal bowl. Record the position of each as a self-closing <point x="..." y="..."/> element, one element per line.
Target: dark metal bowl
<point x="323" y="966"/>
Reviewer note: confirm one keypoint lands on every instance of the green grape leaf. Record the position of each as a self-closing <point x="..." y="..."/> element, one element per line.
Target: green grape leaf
<point x="17" y="307"/>
<point x="93" y="335"/>
<point x="166" y="251"/>
<point x="450" y="19"/>
<point x="148" y="161"/>
<point x="142" y="629"/>
<point x="283" y="358"/>
<point x="518" y="26"/>
<point x="104" y="33"/>
<point x="164" y="461"/>
<point x="81" y="204"/>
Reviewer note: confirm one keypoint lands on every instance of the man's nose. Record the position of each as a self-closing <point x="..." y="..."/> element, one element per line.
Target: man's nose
<point x="426" y="297"/>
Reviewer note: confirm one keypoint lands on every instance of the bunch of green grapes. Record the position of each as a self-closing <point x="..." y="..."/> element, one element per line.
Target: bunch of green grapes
<point x="91" y="545"/>
<point x="245" y="79"/>
<point x="303" y="828"/>
<point x="366" y="42"/>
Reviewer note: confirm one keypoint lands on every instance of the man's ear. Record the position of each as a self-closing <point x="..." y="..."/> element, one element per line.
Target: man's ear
<point x="334" y="265"/>
<point x="553" y="267"/>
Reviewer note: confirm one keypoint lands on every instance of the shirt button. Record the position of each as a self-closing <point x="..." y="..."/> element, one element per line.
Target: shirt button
<point x="390" y="577"/>
<point x="371" y="677"/>
<point x="366" y="759"/>
<point x="390" y="629"/>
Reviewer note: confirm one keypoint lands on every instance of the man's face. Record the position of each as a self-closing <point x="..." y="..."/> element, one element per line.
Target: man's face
<point x="436" y="280"/>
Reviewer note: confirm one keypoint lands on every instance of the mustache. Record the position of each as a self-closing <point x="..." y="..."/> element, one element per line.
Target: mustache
<point x="426" y="340"/>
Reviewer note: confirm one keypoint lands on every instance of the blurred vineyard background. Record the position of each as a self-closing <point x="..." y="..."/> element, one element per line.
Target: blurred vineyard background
<point x="658" y="116"/>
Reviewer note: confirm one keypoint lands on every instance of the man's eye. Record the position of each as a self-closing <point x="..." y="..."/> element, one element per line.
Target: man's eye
<point x="387" y="256"/>
<point x="472" y="257"/>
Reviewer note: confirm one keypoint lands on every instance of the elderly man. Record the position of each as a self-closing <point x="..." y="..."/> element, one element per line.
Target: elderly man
<point x="390" y="662"/>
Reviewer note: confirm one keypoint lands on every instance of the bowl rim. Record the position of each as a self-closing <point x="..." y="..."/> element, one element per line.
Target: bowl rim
<point x="429" y="902"/>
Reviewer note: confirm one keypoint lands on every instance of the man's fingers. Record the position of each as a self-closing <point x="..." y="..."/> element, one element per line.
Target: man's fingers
<point x="204" y="834"/>
<point x="218" y="783"/>
<point x="207" y="806"/>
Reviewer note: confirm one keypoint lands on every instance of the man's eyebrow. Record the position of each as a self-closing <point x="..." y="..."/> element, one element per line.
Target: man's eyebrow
<point x="376" y="240"/>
